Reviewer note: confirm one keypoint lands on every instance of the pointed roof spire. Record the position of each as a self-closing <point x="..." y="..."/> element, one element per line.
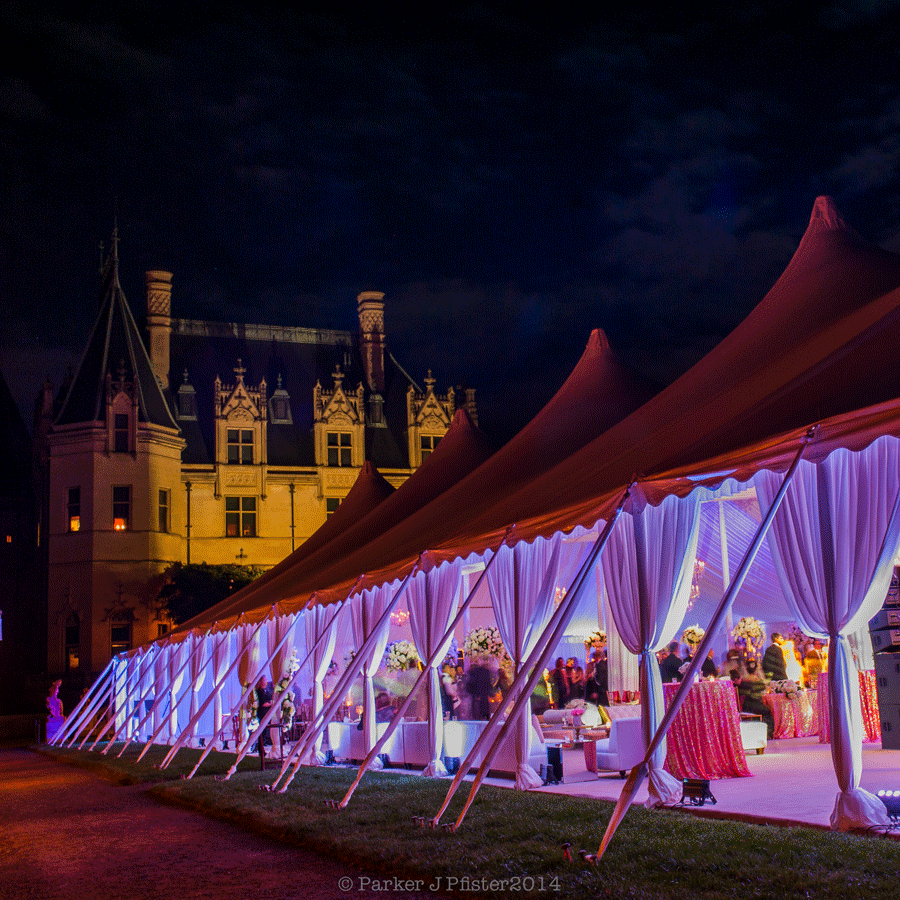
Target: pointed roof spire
<point x="115" y="347"/>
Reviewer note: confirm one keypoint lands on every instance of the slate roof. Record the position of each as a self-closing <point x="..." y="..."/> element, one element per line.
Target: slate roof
<point x="289" y="359"/>
<point x="115" y="348"/>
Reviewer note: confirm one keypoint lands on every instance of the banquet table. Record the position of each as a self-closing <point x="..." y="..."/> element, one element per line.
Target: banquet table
<point x="868" y="696"/>
<point x="795" y="716"/>
<point x="705" y="738"/>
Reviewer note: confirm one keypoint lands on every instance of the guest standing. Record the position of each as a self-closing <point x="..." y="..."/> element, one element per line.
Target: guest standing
<point x="559" y="685"/>
<point x="670" y="665"/>
<point x="773" y="659"/>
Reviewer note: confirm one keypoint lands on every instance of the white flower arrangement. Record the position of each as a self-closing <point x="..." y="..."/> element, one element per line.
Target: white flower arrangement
<point x="398" y="655"/>
<point x="251" y="710"/>
<point x="789" y="688"/>
<point x="485" y="642"/>
<point x="452" y="656"/>
<point x="749" y="636"/>
<point x="692" y="636"/>
<point x="596" y="640"/>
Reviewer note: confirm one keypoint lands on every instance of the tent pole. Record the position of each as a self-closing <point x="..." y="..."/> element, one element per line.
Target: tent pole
<point x="154" y="706"/>
<point x="291" y="682"/>
<point x="524" y="681"/>
<point x="77" y="716"/>
<point x="111" y="719"/>
<point x="638" y="773"/>
<point x="408" y="699"/>
<point x="317" y="726"/>
<point x="174" y="704"/>
<point x="137" y="686"/>
<point x="206" y="703"/>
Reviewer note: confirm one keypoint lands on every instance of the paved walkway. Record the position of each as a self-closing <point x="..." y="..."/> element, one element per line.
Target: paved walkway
<point x="68" y="833"/>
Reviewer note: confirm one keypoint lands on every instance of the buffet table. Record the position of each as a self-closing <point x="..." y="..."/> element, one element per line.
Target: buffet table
<point x="795" y="716"/>
<point x="868" y="700"/>
<point x="705" y="738"/>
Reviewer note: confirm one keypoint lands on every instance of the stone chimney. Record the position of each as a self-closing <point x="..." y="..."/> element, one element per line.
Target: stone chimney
<point x="159" y="322"/>
<point x="370" y="307"/>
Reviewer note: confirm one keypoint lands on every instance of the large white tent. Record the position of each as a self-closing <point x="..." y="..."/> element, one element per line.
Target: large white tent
<point x="817" y="350"/>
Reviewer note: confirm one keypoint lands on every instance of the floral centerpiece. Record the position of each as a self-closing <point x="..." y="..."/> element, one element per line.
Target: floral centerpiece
<point x="251" y="710"/>
<point x="789" y="688"/>
<point x="485" y="642"/>
<point x="399" y="654"/>
<point x="288" y="709"/>
<point x="596" y="640"/>
<point x="802" y="642"/>
<point x="749" y="637"/>
<point x="692" y="636"/>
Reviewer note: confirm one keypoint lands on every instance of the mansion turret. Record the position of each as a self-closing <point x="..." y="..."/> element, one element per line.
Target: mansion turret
<point x="222" y="443"/>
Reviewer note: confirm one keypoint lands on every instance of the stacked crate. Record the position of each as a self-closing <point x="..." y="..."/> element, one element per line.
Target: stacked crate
<point x="884" y="630"/>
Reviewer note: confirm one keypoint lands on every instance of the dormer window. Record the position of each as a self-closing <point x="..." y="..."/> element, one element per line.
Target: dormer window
<point x="280" y="406"/>
<point x="340" y="448"/>
<point x="240" y="446"/>
<point x="427" y="444"/>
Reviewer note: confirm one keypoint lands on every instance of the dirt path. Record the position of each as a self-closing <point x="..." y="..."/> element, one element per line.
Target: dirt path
<point x="67" y="833"/>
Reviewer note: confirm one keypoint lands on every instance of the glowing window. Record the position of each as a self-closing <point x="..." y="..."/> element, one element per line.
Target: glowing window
<point x="240" y="516"/>
<point x="121" y="507"/>
<point x="74" y="509"/>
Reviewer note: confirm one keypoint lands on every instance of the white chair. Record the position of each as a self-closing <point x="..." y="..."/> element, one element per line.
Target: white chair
<point x="754" y="735"/>
<point x="623" y="749"/>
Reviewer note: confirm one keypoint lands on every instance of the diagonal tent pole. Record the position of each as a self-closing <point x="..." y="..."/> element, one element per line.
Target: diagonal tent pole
<point x="88" y="705"/>
<point x="148" y="714"/>
<point x="105" y="697"/>
<point x="530" y="673"/>
<point x="423" y="675"/>
<point x="291" y="682"/>
<point x="353" y="669"/>
<point x="166" y="720"/>
<point x="75" y="717"/>
<point x="639" y="772"/>
<point x="145" y="655"/>
<point x="212" y="695"/>
<point x="188" y="729"/>
<point x="114" y="707"/>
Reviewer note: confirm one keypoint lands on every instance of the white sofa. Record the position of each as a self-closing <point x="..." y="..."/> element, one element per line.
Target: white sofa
<point x="459" y="738"/>
<point x="623" y="749"/>
<point x="347" y="742"/>
<point x="754" y="735"/>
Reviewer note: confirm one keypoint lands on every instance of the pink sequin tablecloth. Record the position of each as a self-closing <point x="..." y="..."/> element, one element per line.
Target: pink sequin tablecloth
<point x="795" y="716"/>
<point x="705" y="738"/>
<point x="868" y="699"/>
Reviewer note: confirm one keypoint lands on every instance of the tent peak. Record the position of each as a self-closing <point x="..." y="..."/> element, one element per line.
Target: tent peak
<point x="598" y="342"/>
<point x="825" y="215"/>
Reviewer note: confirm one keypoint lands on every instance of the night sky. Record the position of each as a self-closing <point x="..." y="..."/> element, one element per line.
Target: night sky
<point x="509" y="182"/>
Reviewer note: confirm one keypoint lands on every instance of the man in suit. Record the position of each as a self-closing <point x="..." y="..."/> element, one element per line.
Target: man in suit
<point x="670" y="665"/>
<point x="773" y="660"/>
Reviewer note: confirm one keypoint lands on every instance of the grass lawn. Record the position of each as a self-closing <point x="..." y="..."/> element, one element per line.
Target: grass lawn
<point x="516" y="837"/>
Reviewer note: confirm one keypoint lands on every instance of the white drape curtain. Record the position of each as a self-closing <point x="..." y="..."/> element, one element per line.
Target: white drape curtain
<point x="522" y="582"/>
<point x="142" y="693"/>
<point x="177" y="663"/>
<point x="647" y="569"/>
<point x="221" y="660"/>
<point x="320" y="621"/>
<point x="160" y="672"/>
<point x="198" y="666"/>
<point x="366" y="610"/>
<point x="432" y="599"/>
<point x="833" y="543"/>
<point x="622" y="665"/>
<point x="247" y="636"/>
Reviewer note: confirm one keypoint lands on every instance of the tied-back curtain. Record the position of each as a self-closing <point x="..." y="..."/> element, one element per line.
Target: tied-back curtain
<point x="143" y="691"/>
<point x="522" y="581"/>
<point x="160" y="670"/>
<point x="177" y="662"/>
<point x="623" y="670"/>
<point x="221" y="660"/>
<point x="432" y="600"/>
<point x="246" y="642"/>
<point x="647" y="570"/>
<point x="320" y="622"/>
<point x="366" y="610"/>
<point x="833" y="544"/>
<point x="198" y="664"/>
<point x="282" y="628"/>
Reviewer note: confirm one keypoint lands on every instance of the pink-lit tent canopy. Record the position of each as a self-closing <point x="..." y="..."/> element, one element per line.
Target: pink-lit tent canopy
<point x="818" y="348"/>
